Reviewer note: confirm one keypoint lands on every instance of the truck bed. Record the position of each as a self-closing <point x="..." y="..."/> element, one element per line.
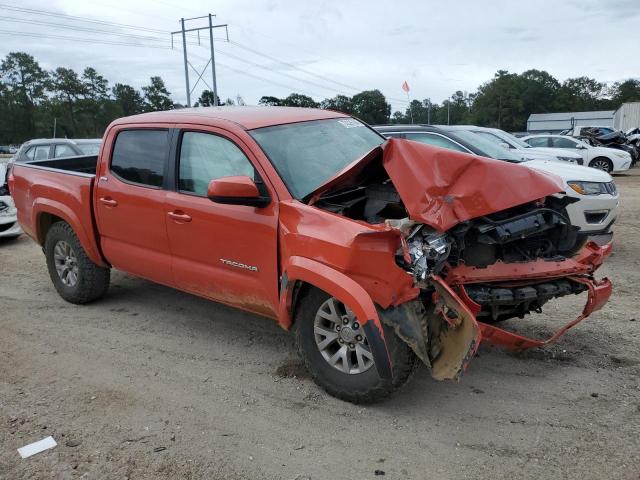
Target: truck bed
<point x="81" y="164"/>
<point x="46" y="191"/>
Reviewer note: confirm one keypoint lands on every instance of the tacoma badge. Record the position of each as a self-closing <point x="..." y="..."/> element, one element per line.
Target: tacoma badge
<point x="231" y="263"/>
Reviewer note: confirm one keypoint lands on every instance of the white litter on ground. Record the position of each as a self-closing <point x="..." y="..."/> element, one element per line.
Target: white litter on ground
<point x="37" y="447"/>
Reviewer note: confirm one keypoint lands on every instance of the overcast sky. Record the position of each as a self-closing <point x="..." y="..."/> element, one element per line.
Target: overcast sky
<point x="438" y="47"/>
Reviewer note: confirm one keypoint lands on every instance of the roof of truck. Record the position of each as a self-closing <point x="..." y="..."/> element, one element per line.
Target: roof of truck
<point x="247" y="117"/>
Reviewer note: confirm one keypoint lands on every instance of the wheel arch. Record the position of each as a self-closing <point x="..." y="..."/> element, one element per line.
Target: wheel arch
<point x="48" y="213"/>
<point x="301" y="274"/>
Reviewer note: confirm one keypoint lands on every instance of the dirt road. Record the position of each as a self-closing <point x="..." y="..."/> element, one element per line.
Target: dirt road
<point x="153" y="383"/>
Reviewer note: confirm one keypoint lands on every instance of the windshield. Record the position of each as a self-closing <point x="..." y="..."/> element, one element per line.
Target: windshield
<point x="308" y="154"/>
<point x="89" y="148"/>
<point x="491" y="149"/>
<point x="514" y="139"/>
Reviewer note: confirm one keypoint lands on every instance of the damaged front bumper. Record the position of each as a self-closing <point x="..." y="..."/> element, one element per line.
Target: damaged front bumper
<point x="445" y="333"/>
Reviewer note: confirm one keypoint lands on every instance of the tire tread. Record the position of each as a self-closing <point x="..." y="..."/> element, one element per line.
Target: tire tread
<point x="93" y="280"/>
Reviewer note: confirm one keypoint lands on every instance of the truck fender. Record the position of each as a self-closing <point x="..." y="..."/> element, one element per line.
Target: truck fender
<point x="347" y="291"/>
<point x="87" y="240"/>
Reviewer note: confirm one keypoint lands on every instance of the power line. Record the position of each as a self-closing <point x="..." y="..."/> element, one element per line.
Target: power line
<point x="290" y="65"/>
<point x="81" y="29"/>
<point x="90" y="30"/>
<point x="78" y="39"/>
<point x="263" y="67"/>
<point x="79" y="19"/>
<point x="308" y="72"/>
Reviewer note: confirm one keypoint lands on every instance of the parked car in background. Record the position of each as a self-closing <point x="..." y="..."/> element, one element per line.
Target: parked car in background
<point x="598" y="199"/>
<point x="606" y="159"/>
<point x="517" y="146"/>
<point x="9" y="227"/>
<point x="47" y="148"/>
<point x="310" y="218"/>
<point x="582" y="130"/>
<point x="6" y="150"/>
<point x="609" y="138"/>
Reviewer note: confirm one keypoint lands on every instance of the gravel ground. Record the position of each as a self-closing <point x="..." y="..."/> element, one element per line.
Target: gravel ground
<point x="154" y="383"/>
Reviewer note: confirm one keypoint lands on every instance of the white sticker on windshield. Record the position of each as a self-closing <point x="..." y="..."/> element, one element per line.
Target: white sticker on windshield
<point x="350" y="123"/>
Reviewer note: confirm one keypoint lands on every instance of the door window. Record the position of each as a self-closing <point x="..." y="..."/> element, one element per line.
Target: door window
<point x="63" y="151"/>
<point x="140" y="156"/>
<point x="40" y="152"/>
<point x="538" y="141"/>
<point x="205" y="157"/>
<point x="558" y="142"/>
<point x="435" y="140"/>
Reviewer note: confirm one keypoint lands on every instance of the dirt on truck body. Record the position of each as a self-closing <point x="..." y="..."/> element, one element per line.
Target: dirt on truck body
<point x="375" y="252"/>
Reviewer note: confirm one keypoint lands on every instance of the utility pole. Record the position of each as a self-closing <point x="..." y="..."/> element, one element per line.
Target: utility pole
<point x="183" y="32"/>
<point x="186" y="67"/>
<point x="448" y="110"/>
<point x="213" y="63"/>
<point x="429" y="111"/>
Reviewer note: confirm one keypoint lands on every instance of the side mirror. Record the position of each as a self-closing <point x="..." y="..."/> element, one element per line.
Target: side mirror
<point x="504" y="145"/>
<point x="240" y="190"/>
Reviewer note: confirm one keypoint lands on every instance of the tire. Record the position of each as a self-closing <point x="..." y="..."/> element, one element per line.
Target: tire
<point x="91" y="281"/>
<point x="363" y="387"/>
<point x="602" y="163"/>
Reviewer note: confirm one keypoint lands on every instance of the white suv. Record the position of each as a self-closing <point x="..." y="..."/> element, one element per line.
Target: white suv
<point x="609" y="160"/>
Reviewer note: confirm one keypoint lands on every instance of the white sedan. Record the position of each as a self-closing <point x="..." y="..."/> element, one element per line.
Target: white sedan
<point x="609" y="160"/>
<point x="9" y="227"/>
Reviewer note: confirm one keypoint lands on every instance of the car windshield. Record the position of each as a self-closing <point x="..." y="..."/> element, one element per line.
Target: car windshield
<point x="487" y="146"/>
<point x="308" y="154"/>
<point x="514" y="139"/>
<point x="89" y="148"/>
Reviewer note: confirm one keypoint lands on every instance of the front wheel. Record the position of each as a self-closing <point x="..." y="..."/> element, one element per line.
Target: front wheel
<point x="602" y="163"/>
<point x="76" y="278"/>
<point x="336" y="351"/>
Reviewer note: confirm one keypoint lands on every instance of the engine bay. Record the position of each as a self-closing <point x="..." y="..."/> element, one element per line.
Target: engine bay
<point x="536" y="230"/>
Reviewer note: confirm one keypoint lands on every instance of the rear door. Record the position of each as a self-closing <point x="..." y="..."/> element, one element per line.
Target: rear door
<point x="224" y="252"/>
<point x="129" y="202"/>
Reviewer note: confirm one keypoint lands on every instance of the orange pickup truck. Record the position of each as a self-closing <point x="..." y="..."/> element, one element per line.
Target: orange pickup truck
<point x="377" y="253"/>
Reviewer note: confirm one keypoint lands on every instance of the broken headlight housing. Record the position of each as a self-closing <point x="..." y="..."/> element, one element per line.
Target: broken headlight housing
<point x="428" y="251"/>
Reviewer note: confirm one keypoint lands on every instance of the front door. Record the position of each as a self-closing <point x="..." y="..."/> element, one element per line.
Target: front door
<point x="224" y="252"/>
<point x="129" y="203"/>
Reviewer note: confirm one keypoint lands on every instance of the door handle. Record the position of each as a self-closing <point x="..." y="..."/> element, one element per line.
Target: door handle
<point x="179" y="216"/>
<point x="109" y="202"/>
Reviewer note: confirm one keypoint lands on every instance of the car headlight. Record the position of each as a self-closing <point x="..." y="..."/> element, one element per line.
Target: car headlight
<point x="589" y="188"/>
<point x="568" y="159"/>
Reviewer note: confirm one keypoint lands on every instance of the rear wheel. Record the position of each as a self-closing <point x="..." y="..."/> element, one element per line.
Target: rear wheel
<point x="76" y="278"/>
<point x="602" y="163"/>
<point x="336" y="351"/>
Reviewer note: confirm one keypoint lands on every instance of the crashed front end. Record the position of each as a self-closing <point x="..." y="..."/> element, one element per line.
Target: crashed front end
<point x="483" y="241"/>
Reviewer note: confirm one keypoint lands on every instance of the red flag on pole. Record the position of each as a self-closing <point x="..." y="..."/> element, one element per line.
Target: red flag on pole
<point x="405" y="86"/>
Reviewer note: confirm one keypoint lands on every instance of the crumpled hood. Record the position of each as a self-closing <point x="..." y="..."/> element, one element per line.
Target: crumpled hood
<point x="442" y="188"/>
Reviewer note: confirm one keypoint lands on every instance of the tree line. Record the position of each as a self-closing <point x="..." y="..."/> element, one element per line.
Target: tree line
<point x="81" y="105"/>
